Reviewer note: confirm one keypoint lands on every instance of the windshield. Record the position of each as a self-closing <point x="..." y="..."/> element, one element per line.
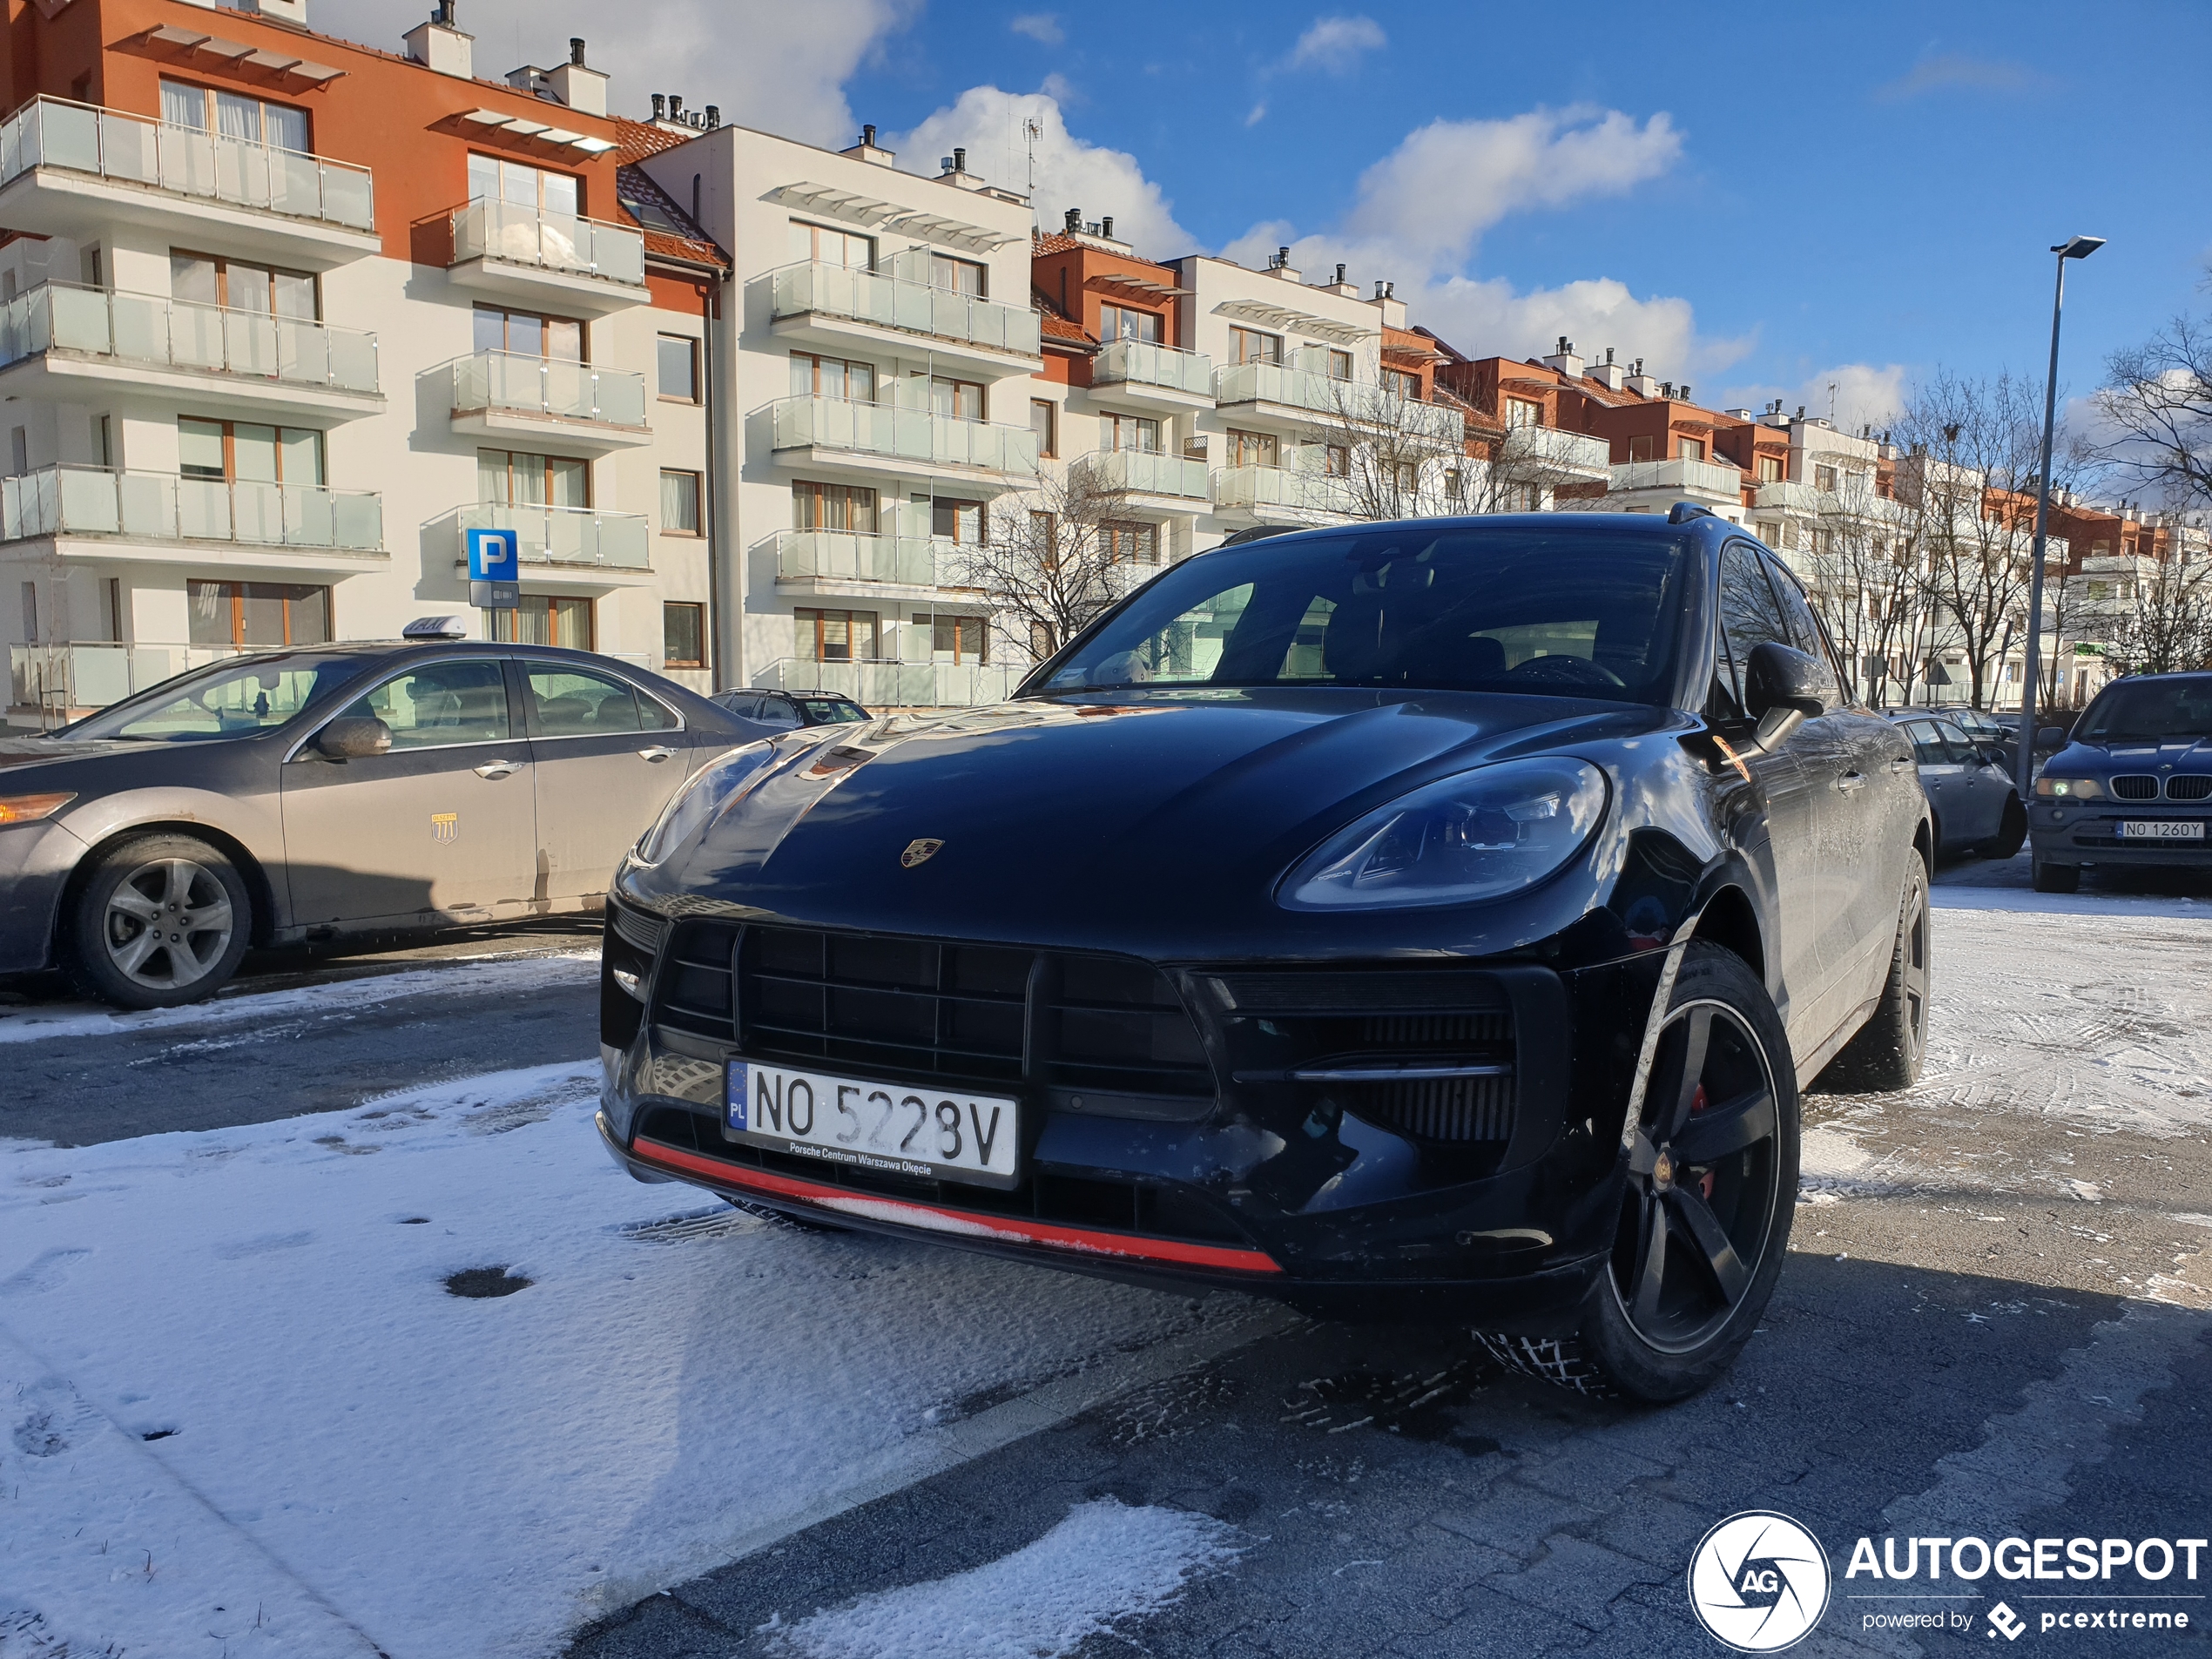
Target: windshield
<point x="827" y="710"/>
<point x="1576" y="613"/>
<point x="233" y="700"/>
<point x="2149" y="711"/>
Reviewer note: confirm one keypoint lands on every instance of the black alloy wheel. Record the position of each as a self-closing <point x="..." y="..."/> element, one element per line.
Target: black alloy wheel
<point x="2012" y="830"/>
<point x="1887" y="1052"/>
<point x="2055" y="878"/>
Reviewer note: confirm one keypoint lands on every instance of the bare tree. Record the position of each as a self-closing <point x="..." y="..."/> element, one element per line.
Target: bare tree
<point x="1862" y="578"/>
<point x="1388" y="456"/>
<point x="1053" y="557"/>
<point x="2165" y="623"/>
<point x="2157" y="399"/>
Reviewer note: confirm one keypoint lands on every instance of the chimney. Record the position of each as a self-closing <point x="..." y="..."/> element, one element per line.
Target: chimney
<point x="1387" y="302"/>
<point x="1565" y="361"/>
<point x="1340" y="274"/>
<point x="1609" y="373"/>
<point x="955" y="172"/>
<point x="660" y="106"/>
<point x="1106" y="227"/>
<point x="676" y="106"/>
<point x="1280" y="264"/>
<point x="1640" y="383"/>
<point x="869" y="150"/>
<point x="1074" y="221"/>
<point x="713" y="116"/>
<point x="1685" y="391"/>
<point x="582" y="89"/>
<point x="439" y="44"/>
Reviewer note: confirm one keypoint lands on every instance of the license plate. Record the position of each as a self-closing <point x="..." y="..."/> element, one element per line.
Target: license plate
<point x="2162" y="829"/>
<point x="932" y="1134"/>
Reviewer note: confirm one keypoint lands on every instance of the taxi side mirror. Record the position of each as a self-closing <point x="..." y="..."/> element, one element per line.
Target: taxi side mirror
<point x="1783" y="689"/>
<point x="352" y="737"/>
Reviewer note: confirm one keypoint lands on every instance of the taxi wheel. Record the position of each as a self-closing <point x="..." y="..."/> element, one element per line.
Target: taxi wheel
<point x="160" y="921"/>
<point x="2012" y="830"/>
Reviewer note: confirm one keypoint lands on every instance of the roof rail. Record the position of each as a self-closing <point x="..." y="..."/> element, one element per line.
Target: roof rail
<point x="1683" y="511"/>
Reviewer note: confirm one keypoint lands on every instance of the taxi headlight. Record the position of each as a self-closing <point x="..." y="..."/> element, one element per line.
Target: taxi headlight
<point x="2052" y="788"/>
<point x="29" y="809"/>
<point x="1481" y="834"/>
<point x="702" y="798"/>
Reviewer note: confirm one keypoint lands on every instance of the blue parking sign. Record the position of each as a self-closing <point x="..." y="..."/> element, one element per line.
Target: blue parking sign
<point x="494" y="555"/>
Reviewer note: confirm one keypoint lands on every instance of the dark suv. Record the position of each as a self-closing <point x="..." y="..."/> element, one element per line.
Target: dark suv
<point x="788" y="710"/>
<point x="2133" y="787"/>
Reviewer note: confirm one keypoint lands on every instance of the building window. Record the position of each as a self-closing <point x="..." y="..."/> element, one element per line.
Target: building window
<point x="960" y="276"/>
<point x="517" y="478"/>
<point x="30" y="613"/>
<point x="1823" y="478"/>
<point x="1690" y="448"/>
<point x="677" y="362"/>
<point x="1250" y="346"/>
<point x="832" y="377"/>
<point x="491" y="179"/>
<point x="1521" y="412"/>
<point x="833" y="507"/>
<point x="1641" y="447"/>
<point x="821" y="245"/>
<point x="961" y="399"/>
<point x="680" y="503"/>
<point x="683" y="634"/>
<point x="248" y="452"/>
<point x="541" y="619"/>
<point x="1532" y="497"/>
<point x="231" y="115"/>
<point x="1136" y="543"/>
<point x="1405" y="385"/>
<point x="1769" y="469"/>
<point x="959" y="521"/>
<point x="1044" y="421"/>
<point x="837" y="635"/>
<point x="1137" y="432"/>
<point x="526" y="335"/>
<point x="1339" y="365"/>
<point x="1125" y="322"/>
<point x="961" y="639"/>
<point x="207" y="279"/>
<point x="256" y="613"/>
<point x="1336" y="460"/>
<point x="1253" y="449"/>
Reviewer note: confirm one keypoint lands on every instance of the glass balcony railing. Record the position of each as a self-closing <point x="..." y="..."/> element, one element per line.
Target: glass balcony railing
<point x="175" y="334"/>
<point x="514" y="234"/>
<point x="1140" y="472"/>
<point x="918" y="435"/>
<point x="1548" y="450"/>
<point x="162" y="507"/>
<point x="185" y="161"/>
<point x="853" y="556"/>
<point x="62" y="675"/>
<point x="911" y="307"/>
<point x="565" y="535"/>
<point x="1288" y="488"/>
<point x="1139" y="362"/>
<point x="880" y="685"/>
<point x="498" y="380"/>
<point x="1336" y="402"/>
<point x="1721" y="479"/>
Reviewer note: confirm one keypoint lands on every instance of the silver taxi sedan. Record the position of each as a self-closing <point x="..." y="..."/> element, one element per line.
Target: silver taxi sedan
<point x="302" y="795"/>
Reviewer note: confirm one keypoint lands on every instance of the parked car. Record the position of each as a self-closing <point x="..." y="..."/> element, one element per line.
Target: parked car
<point x="1975" y="805"/>
<point x="781" y="710"/>
<point x="305" y="794"/>
<point x="1437" y="917"/>
<point x="2133" y="786"/>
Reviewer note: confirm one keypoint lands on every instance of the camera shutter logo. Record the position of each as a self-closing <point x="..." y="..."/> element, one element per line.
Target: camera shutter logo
<point x="1759" y="1581"/>
<point x="2009" y="1624"/>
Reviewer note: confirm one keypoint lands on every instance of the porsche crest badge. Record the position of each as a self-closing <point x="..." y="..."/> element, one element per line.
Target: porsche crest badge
<point x="919" y="852"/>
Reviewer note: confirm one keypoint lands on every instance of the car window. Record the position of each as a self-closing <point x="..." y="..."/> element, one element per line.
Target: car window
<point x="1964" y="749"/>
<point x="571" y="703"/>
<point x="745" y="708"/>
<point x="830" y="711"/>
<point x="2149" y="710"/>
<point x="439" y="704"/>
<point x="777" y="712"/>
<point x="231" y="701"/>
<point x="1927" y="748"/>
<point x="1804" y="631"/>
<point x="1750" y="615"/>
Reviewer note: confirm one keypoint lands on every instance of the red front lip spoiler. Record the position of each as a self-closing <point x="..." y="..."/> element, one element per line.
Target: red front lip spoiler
<point x="958" y="1223"/>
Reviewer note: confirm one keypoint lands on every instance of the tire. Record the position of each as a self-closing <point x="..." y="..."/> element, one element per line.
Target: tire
<point x="1887" y="1053"/>
<point x="1700" y="1240"/>
<point x="137" y="890"/>
<point x="2012" y="831"/>
<point x="2055" y="878"/>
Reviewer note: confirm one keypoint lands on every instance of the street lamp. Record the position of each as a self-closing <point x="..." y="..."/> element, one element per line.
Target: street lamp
<point x="2079" y="248"/>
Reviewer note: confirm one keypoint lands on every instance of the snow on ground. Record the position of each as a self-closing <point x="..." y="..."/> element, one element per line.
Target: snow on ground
<point x="236" y="1389"/>
<point x="1106" y="1562"/>
<point x="469" y="976"/>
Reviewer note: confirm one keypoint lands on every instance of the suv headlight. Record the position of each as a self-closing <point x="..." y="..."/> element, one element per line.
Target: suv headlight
<point x="1481" y="834"/>
<point x="701" y="800"/>
<point x="2069" y="788"/>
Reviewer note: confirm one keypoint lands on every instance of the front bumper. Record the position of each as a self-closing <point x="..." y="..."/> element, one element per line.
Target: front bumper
<point x="35" y="864"/>
<point x="2089" y="834"/>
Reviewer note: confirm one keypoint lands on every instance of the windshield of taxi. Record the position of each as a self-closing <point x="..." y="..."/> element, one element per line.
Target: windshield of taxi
<point x="1571" y="613"/>
<point x="2149" y="710"/>
<point x="226" y="700"/>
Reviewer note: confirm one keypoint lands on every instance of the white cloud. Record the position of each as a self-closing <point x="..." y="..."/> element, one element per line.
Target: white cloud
<point x="1336" y="45"/>
<point x="1042" y="27"/>
<point x="1862" y="395"/>
<point x="771" y="65"/>
<point x="1258" y="114"/>
<point x="1071" y="173"/>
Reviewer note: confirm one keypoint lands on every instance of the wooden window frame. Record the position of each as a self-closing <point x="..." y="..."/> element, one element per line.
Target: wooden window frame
<point x="697" y="388"/>
<point x="699" y="608"/>
<point x="699" y="501"/>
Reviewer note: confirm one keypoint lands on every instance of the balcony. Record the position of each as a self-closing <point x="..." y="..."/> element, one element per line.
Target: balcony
<point x="63" y="678"/>
<point x="1150" y="481"/>
<point x="587" y="547"/>
<point x="858" y="565"/>
<point x="68" y="169"/>
<point x="833" y="305"/>
<point x="1152" y="377"/>
<point x="515" y="397"/>
<point x="882" y="439"/>
<point x="99" y="513"/>
<point x="880" y="685"/>
<point x="62" y="343"/>
<point x="1281" y="494"/>
<point x="1715" y="484"/>
<point x="575" y="266"/>
<point x="1302" y="399"/>
<point x="1548" y="457"/>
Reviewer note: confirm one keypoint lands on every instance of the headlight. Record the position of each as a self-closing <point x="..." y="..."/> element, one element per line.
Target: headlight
<point x="2069" y="788"/>
<point x="1480" y="835"/>
<point x="29" y="809"/>
<point x="702" y="798"/>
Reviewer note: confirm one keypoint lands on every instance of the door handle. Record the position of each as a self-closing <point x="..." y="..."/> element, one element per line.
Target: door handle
<point x="494" y="770"/>
<point x="655" y="753"/>
<point x="1900" y="763"/>
<point x="1851" y="780"/>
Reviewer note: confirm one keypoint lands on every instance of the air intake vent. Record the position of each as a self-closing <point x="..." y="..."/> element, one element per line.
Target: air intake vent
<point x="2188" y="788"/>
<point x="1449" y="1111"/>
<point x="638" y="929"/>
<point x="1119" y="1027"/>
<point x="2135" y="786"/>
<point x="694" y="985"/>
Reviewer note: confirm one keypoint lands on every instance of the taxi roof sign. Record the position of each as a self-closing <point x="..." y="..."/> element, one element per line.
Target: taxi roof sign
<point x="435" y="628"/>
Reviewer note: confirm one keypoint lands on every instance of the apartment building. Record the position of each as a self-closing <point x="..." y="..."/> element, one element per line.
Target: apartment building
<point x="283" y="316"/>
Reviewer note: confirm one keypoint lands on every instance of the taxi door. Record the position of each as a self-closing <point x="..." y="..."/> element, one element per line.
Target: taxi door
<point x="608" y="755"/>
<point x="445" y="824"/>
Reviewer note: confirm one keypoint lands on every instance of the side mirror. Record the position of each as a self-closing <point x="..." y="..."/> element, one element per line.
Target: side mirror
<point x="1784" y="689"/>
<point x="352" y="737"/>
<point x="2051" y="737"/>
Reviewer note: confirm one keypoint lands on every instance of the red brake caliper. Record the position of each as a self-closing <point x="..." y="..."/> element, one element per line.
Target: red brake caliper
<point x="1697" y="1103"/>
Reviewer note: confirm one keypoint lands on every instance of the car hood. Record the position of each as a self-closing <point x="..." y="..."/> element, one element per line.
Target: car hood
<point x="1096" y="818"/>
<point x="2103" y="759"/>
<point x="24" y="761"/>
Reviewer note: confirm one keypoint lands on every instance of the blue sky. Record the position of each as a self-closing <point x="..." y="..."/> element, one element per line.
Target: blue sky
<point x="1759" y="201"/>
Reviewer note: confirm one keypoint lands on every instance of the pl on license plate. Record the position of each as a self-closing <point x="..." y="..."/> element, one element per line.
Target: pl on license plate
<point x="2162" y="829"/>
<point x="930" y="1133"/>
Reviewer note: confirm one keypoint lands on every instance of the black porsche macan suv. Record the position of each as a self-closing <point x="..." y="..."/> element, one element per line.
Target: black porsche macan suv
<point x="1433" y="920"/>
